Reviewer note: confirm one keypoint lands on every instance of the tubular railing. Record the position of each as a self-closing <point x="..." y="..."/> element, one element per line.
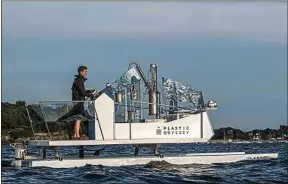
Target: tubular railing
<point x="164" y="110"/>
<point x="57" y="112"/>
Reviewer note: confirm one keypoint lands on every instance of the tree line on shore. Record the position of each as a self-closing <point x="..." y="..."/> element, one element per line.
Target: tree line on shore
<point x="15" y="120"/>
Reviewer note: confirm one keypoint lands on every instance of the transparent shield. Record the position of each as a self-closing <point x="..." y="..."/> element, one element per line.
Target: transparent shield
<point x="55" y="119"/>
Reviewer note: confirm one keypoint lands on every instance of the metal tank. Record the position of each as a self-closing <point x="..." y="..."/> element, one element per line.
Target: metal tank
<point x="153" y="90"/>
<point x="118" y="96"/>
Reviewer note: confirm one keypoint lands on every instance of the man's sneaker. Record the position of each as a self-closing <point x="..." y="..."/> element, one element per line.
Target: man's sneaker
<point x="84" y="137"/>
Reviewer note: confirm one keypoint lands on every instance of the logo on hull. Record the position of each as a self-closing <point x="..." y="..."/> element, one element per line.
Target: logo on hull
<point x="172" y="130"/>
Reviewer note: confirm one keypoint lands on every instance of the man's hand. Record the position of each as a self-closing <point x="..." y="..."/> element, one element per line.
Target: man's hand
<point x="91" y="95"/>
<point x="91" y="91"/>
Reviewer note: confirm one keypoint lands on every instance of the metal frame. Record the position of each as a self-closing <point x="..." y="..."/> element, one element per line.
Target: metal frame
<point x="30" y="120"/>
<point x="96" y="116"/>
<point x="160" y="105"/>
<point x="45" y="120"/>
<point x="202" y="109"/>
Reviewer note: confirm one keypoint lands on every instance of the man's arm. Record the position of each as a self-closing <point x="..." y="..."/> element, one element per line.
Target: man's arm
<point x="80" y="86"/>
<point x="90" y="91"/>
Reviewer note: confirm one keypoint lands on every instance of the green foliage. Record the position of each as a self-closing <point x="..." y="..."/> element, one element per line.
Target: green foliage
<point x="14" y="116"/>
<point x="267" y="134"/>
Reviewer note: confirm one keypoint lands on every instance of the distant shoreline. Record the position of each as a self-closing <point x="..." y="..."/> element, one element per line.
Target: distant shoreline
<point x="16" y="125"/>
<point x="247" y="141"/>
<point x="3" y="143"/>
<point x="222" y="135"/>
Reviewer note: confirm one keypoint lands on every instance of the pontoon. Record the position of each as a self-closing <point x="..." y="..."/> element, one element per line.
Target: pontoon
<point x="132" y="110"/>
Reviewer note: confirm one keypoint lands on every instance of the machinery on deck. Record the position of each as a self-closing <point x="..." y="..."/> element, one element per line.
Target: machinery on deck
<point x="135" y="110"/>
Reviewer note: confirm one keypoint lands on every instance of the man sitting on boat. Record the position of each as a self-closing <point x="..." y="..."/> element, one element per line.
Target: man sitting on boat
<point x="78" y="94"/>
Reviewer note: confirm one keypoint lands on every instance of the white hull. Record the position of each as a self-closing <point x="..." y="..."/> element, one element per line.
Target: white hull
<point x="115" y="142"/>
<point x="180" y="159"/>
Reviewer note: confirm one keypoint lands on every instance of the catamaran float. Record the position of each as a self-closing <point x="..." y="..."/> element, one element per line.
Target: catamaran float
<point x="128" y="111"/>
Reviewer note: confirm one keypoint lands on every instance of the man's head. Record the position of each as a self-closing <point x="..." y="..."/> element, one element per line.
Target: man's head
<point x="82" y="70"/>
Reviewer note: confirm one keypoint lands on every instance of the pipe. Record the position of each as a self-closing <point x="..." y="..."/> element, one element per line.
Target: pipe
<point x="153" y="90"/>
<point x="131" y="115"/>
<point x="140" y="71"/>
<point x="152" y="103"/>
<point x="118" y="97"/>
<point x="158" y="105"/>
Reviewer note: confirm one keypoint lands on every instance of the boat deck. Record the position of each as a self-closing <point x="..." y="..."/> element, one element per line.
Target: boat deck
<point x="113" y="142"/>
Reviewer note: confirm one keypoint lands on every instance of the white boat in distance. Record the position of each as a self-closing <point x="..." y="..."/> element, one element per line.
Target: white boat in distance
<point x="129" y="111"/>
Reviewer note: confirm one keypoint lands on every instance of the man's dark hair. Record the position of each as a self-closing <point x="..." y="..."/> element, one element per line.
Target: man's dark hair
<point x="82" y="68"/>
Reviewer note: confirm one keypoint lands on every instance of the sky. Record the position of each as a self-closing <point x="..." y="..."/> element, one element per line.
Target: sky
<point x="236" y="53"/>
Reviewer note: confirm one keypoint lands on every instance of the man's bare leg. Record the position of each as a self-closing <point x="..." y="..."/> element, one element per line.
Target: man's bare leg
<point x="77" y="129"/>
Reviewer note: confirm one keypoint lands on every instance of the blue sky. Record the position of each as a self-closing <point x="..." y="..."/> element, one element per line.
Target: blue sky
<point x="236" y="53"/>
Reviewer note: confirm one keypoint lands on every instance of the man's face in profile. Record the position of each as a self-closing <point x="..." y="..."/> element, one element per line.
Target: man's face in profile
<point x="83" y="73"/>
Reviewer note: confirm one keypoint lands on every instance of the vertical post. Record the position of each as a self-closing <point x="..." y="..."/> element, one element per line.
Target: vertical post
<point x="141" y="110"/>
<point x="45" y="120"/>
<point x="114" y="120"/>
<point x="140" y="99"/>
<point x="136" y="149"/>
<point x="125" y="104"/>
<point x="81" y="151"/>
<point x="130" y="132"/>
<point x="130" y="112"/>
<point x="175" y="100"/>
<point x="56" y="152"/>
<point x="164" y="98"/>
<point x="43" y="152"/>
<point x="96" y="117"/>
<point x="201" y="122"/>
<point x="153" y="96"/>
<point x="201" y="101"/>
<point x="157" y="93"/>
<point x="158" y="105"/>
<point x="31" y="122"/>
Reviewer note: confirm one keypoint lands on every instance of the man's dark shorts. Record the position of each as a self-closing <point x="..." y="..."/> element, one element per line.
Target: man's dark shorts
<point x="76" y="113"/>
